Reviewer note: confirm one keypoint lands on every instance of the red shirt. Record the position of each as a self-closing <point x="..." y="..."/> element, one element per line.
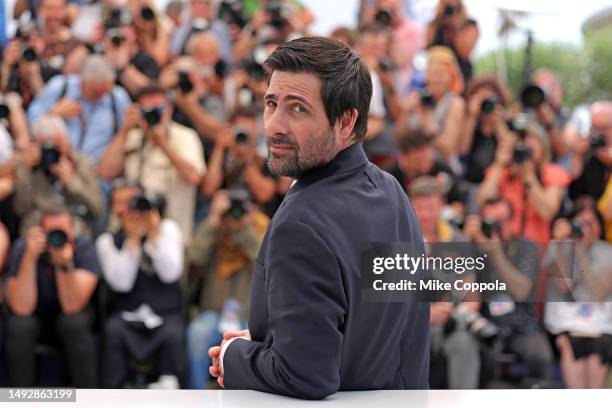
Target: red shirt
<point x="526" y="221"/>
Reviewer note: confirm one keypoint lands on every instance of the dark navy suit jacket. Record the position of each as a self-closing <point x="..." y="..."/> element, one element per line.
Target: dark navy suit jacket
<point x="311" y="334"/>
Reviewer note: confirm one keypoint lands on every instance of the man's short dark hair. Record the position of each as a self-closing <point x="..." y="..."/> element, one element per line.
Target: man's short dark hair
<point x="346" y="82"/>
<point x="411" y="138"/>
<point x="152" y="89"/>
<point x="498" y="200"/>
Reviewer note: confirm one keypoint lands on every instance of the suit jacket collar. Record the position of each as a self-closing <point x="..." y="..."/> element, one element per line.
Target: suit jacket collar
<point x="346" y="160"/>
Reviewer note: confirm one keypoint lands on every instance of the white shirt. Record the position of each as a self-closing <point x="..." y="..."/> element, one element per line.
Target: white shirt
<point x="120" y="266"/>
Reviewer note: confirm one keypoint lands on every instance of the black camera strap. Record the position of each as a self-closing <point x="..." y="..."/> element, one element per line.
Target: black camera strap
<point x="82" y="122"/>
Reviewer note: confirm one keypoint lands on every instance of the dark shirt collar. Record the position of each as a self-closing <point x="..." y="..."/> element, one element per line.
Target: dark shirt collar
<point x="346" y="160"/>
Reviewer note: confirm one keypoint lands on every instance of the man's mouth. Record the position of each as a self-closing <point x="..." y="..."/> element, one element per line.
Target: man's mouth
<point x="280" y="148"/>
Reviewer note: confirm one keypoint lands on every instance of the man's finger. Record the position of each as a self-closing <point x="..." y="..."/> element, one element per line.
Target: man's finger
<point x="220" y="382"/>
<point x="214" y="371"/>
<point x="214" y="352"/>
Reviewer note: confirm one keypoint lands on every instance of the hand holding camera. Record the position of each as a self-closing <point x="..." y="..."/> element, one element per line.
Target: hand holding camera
<point x="132" y="118"/>
<point x="61" y="255"/>
<point x="35" y="243"/>
<point x="64" y="169"/>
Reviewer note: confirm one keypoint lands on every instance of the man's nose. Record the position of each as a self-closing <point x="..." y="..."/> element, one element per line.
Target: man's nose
<point x="276" y="123"/>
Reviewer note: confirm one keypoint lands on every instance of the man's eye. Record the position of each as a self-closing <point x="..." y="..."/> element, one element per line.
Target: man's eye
<point x="270" y="104"/>
<point x="298" y="109"/>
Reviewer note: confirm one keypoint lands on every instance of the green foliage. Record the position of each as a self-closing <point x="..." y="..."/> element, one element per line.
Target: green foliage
<point x="586" y="72"/>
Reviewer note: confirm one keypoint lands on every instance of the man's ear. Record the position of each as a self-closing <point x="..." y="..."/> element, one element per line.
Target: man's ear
<point x="346" y="125"/>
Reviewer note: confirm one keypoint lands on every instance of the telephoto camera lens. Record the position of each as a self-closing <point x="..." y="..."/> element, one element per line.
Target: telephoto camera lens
<point x="147" y="13"/>
<point x="532" y="96"/>
<point x="57" y="238"/>
<point x="152" y="116"/>
<point x="488" y="105"/>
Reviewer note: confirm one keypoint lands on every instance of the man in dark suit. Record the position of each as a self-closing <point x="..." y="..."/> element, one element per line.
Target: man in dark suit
<point x="309" y="333"/>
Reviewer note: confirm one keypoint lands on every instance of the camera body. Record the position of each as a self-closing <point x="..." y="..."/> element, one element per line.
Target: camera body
<point x="598" y="141"/>
<point x="239" y="198"/>
<point x="116" y="36"/>
<point x="184" y="83"/>
<point x="115" y="17"/>
<point x="144" y="203"/>
<point x="5" y="111"/>
<point x="488" y="227"/>
<point x="49" y="156"/>
<point x="521" y="153"/>
<point x="577" y="232"/>
<point x="427" y="100"/>
<point x="152" y="116"/>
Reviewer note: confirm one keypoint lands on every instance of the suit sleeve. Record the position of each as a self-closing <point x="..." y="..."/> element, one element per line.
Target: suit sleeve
<point x="307" y="305"/>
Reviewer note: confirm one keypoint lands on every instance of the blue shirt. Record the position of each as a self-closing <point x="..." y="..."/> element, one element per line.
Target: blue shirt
<point x="93" y="129"/>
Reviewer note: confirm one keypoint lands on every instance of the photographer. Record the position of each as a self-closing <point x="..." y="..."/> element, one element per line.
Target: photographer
<point x="439" y="109"/>
<point x="579" y="299"/>
<point x="91" y="106"/>
<point x="484" y="126"/>
<point x="159" y="154"/>
<point x="544" y="98"/>
<point x="224" y="249"/>
<point x="592" y="161"/>
<point x="417" y="157"/>
<point x="235" y="163"/>
<point x="452" y="28"/>
<point x="202" y="16"/>
<point x="523" y="175"/>
<point x="199" y="84"/>
<point x="51" y="278"/>
<point x="514" y="261"/>
<point x="455" y="358"/>
<point x="142" y="264"/>
<point x="406" y="37"/>
<point x="39" y="53"/>
<point x="50" y="172"/>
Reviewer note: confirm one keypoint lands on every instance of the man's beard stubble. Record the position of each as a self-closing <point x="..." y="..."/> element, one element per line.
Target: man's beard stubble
<point x="316" y="152"/>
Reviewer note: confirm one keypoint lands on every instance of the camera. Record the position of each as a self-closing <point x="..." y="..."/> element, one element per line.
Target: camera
<point x="230" y="11"/>
<point x="518" y="125"/>
<point x="576" y="229"/>
<point x="116" y="17"/>
<point x="152" y="116"/>
<point x="49" y="156"/>
<point x="239" y="198"/>
<point x="598" y="141"/>
<point x="427" y="101"/>
<point x="383" y="17"/>
<point x="116" y="36"/>
<point x="532" y="96"/>
<point x="241" y="136"/>
<point x="521" y="153"/>
<point x="488" y="105"/>
<point x="277" y="13"/>
<point x="466" y="319"/>
<point x="57" y="238"/>
<point x="4" y="110"/>
<point x="147" y="13"/>
<point x="147" y="202"/>
<point x="449" y="10"/>
<point x="488" y="227"/>
<point x="184" y="83"/>
<point x="28" y="53"/>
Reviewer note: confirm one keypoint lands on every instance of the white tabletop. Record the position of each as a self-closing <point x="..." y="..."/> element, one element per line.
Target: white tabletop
<point x="366" y="399"/>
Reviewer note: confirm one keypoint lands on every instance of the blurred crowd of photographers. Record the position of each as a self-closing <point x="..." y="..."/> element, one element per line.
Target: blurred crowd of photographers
<point x="134" y="190"/>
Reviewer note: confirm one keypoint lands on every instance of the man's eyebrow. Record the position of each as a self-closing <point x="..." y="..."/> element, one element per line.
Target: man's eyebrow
<point x="298" y="98"/>
<point x="270" y="97"/>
